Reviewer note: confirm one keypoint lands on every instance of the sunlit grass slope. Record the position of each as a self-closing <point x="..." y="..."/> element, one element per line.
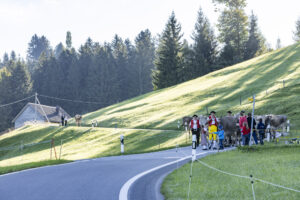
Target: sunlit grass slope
<point x="74" y="143"/>
<point x="219" y="91"/>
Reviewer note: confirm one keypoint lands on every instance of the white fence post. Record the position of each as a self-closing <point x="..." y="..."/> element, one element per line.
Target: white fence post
<point x="122" y="143"/>
<point x="194" y="148"/>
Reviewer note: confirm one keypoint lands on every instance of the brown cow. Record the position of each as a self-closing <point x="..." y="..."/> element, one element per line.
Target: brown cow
<point x="78" y="119"/>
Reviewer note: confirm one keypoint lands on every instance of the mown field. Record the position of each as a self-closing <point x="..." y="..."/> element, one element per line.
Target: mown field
<point x="149" y="122"/>
<point x="276" y="164"/>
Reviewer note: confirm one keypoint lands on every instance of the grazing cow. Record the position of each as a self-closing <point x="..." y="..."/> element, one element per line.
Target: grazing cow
<point x="231" y="129"/>
<point x="78" y="119"/>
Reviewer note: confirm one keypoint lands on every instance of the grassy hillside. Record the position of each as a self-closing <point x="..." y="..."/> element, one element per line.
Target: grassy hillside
<point x="152" y="114"/>
<point x="219" y="91"/>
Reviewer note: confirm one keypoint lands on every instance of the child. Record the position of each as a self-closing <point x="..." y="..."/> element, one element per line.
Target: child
<point x="220" y="134"/>
<point x="203" y="138"/>
<point x="245" y="133"/>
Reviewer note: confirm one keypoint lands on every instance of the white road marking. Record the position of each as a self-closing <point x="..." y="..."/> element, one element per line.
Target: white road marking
<point x="123" y="195"/>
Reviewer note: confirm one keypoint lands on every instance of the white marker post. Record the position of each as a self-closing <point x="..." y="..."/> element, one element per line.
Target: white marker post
<point x="194" y="148"/>
<point x="122" y="143"/>
<point x="250" y="140"/>
<point x="288" y="126"/>
<point x="178" y="124"/>
<point x="268" y="132"/>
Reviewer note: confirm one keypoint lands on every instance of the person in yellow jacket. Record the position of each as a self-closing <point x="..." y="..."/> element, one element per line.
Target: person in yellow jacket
<point x="212" y="128"/>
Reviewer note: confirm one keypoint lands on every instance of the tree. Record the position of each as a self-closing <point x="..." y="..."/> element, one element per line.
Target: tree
<point x="5" y="59"/>
<point x="232" y="25"/>
<point x="69" y="40"/>
<point x="297" y="31"/>
<point x="36" y="46"/>
<point x="256" y="43"/>
<point x="204" y="47"/>
<point x="58" y="49"/>
<point x="13" y="56"/>
<point x="278" y="43"/>
<point x="145" y="54"/>
<point x="168" y="59"/>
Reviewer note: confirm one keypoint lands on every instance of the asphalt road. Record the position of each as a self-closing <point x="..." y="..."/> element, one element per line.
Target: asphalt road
<point x="94" y="179"/>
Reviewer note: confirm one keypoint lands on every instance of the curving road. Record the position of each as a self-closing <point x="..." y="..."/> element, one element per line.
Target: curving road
<point x="109" y="178"/>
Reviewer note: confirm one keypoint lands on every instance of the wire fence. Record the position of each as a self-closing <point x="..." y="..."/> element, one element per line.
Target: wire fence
<point x="249" y="178"/>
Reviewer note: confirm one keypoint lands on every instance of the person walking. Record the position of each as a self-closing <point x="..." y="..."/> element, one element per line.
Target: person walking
<point x="245" y="134"/>
<point x="261" y="127"/>
<point x="212" y="128"/>
<point x="62" y="120"/>
<point x="249" y="120"/>
<point x="195" y="127"/>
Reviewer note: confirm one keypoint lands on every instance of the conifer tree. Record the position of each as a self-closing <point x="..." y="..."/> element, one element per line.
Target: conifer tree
<point x="168" y="61"/>
<point x="255" y="44"/>
<point x="232" y="25"/>
<point x="204" y="47"/>
<point x="297" y="31"/>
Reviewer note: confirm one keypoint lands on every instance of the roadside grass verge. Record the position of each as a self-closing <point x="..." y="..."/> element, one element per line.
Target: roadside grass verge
<point x="14" y="168"/>
<point x="32" y="144"/>
<point x="273" y="163"/>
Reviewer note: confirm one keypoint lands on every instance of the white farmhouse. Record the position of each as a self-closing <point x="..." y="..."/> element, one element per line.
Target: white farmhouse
<point x="36" y="113"/>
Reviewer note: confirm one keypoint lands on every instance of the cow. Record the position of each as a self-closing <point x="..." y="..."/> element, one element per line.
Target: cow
<point x="231" y="129"/>
<point x="78" y="119"/>
<point x="274" y="122"/>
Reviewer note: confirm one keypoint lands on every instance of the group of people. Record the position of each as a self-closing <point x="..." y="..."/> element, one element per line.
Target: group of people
<point x="64" y="120"/>
<point x="245" y="126"/>
<point x="214" y="130"/>
<point x="212" y="127"/>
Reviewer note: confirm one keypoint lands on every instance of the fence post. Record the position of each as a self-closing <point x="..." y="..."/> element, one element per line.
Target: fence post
<point x="122" y="143"/>
<point x="61" y="141"/>
<point x="51" y="144"/>
<point x="253" y="192"/>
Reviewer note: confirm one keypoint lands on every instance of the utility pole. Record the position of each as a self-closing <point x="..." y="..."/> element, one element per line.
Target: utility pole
<point x="35" y="103"/>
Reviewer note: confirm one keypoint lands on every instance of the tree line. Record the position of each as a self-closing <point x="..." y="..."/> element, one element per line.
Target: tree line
<point x="121" y="69"/>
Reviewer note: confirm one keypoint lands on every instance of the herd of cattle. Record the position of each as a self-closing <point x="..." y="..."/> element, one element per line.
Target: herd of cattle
<point x="231" y="125"/>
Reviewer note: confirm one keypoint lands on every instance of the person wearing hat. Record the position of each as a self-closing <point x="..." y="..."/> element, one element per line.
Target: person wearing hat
<point x="229" y="113"/>
<point x="212" y="128"/>
<point x="195" y="127"/>
<point x="220" y="134"/>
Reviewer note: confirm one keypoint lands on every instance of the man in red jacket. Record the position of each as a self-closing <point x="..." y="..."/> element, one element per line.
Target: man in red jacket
<point x="212" y="128"/>
<point x="195" y="127"/>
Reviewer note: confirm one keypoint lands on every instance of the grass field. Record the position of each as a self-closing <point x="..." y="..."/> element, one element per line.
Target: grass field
<point x="149" y="122"/>
<point x="279" y="165"/>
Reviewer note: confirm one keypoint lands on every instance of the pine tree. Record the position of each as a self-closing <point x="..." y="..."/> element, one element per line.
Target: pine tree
<point x="145" y="51"/>
<point x="69" y="40"/>
<point x="278" y="43"/>
<point x="168" y="59"/>
<point x="232" y="26"/>
<point x="255" y="44"/>
<point x="58" y="49"/>
<point x="297" y="31"/>
<point x="5" y="59"/>
<point x="204" y="47"/>
<point x="13" y="56"/>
